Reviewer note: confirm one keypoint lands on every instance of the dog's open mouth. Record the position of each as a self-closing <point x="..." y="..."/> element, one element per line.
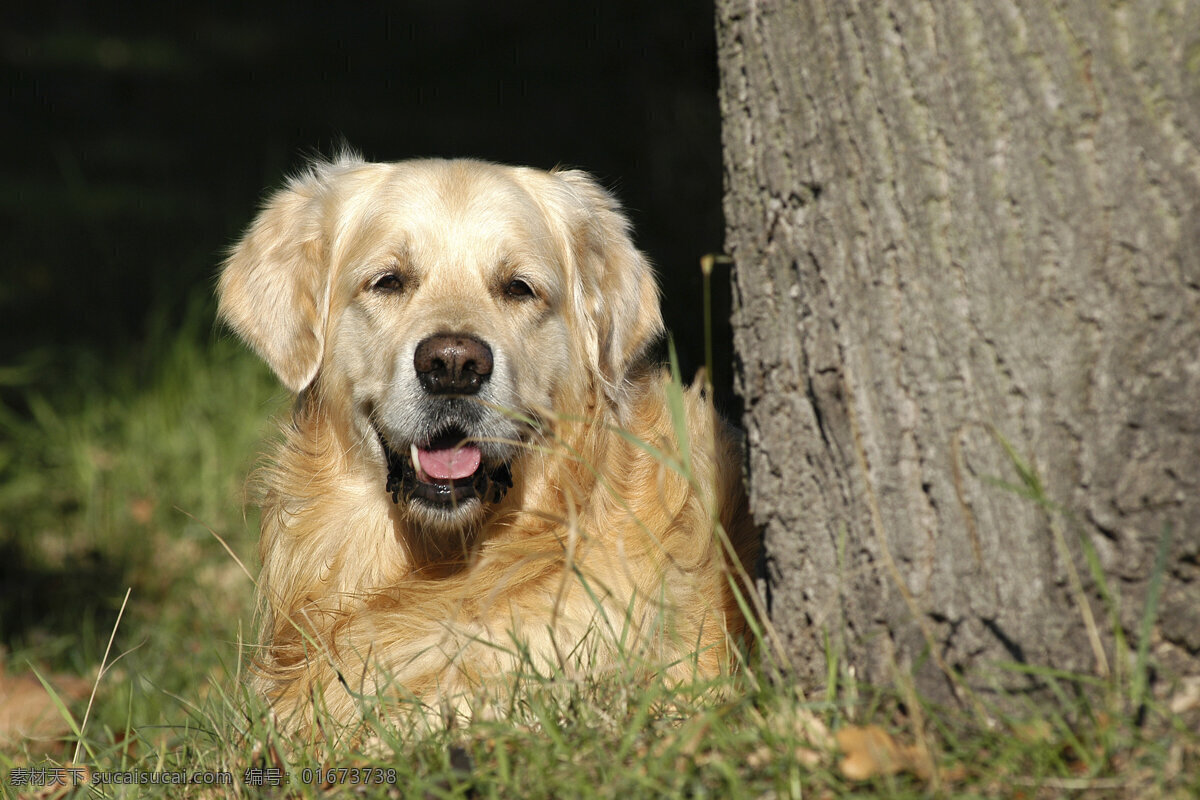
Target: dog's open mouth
<point x="445" y="471"/>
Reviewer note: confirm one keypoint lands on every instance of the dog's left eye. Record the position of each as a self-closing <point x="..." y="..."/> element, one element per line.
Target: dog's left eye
<point x="518" y="288"/>
<point x="388" y="283"/>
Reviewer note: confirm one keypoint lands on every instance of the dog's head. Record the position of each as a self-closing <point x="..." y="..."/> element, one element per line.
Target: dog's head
<point x="444" y="307"/>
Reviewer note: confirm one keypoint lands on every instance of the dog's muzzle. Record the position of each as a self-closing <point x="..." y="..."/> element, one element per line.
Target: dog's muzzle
<point x="448" y="470"/>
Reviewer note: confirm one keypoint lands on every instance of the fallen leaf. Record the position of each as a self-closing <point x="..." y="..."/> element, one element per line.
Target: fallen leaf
<point x="27" y="711"/>
<point x="870" y="751"/>
<point x="764" y="755"/>
<point x="1188" y="696"/>
<point x="142" y="510"/>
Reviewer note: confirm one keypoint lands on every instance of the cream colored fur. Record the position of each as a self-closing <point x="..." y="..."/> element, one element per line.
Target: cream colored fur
<point x="600" y="551"/>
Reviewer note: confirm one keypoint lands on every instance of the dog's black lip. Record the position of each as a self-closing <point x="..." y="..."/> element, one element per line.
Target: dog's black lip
<point x="487" y="484"/>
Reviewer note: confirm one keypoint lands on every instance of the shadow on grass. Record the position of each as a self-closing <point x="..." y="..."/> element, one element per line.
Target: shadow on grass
<point x="66" y="602"/>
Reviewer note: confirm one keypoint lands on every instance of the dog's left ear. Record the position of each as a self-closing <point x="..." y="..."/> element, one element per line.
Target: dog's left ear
<point x="620" y="301"/>
<point x="272" y="290"/>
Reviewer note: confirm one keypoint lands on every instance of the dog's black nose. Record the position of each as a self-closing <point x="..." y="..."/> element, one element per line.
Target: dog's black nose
<point x="453" y="363"/>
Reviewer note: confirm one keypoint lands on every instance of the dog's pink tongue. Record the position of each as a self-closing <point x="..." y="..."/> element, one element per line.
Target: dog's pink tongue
<point x="451" y="463"/>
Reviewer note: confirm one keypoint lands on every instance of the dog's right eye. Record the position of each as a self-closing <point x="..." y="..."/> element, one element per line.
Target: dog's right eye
<point x="518" y="289"/>
<point x="388" y="283"/>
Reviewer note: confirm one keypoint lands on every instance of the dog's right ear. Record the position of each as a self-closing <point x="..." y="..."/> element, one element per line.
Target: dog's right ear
<point x="273" y="288"/>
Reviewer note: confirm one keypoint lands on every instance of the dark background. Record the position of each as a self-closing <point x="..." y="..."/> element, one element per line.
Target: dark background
<point x="139" y="142"/>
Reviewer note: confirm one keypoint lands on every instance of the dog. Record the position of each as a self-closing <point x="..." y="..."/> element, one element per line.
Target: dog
<point x="484" y="472"/>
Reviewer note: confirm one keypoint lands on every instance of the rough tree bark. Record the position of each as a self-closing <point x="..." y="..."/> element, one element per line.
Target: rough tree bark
<point x="956" y="227"/>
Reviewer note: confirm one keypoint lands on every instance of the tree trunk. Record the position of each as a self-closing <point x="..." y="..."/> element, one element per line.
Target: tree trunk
<point x="967" y="242"/>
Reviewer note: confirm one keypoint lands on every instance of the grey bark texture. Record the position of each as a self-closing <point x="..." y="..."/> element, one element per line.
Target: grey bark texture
<point x="958" y="228"/>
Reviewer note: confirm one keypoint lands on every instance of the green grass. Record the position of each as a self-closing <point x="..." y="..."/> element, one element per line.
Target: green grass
<point x="116" y="478"/>
<point x="121" y="477"/>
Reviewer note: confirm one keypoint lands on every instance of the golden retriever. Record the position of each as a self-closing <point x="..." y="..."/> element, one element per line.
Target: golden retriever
<point x="483" y="473"/>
